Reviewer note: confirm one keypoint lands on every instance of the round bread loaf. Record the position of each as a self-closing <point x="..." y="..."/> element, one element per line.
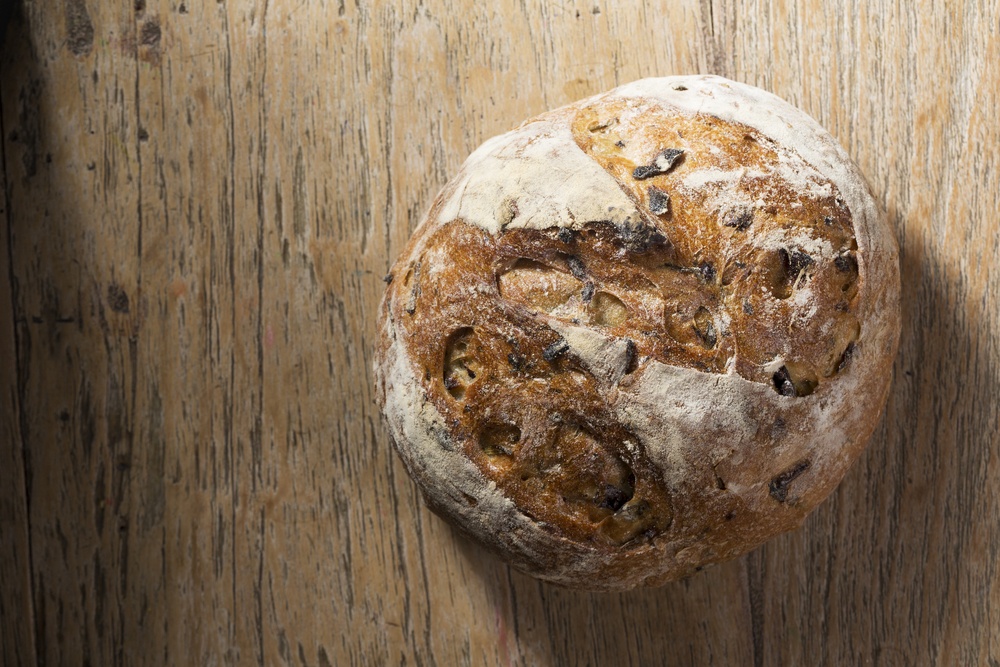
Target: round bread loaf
<point x="641" y="333"/>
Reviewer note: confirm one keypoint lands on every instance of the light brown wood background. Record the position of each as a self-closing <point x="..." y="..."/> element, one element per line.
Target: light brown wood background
<point x="200" y="200"/>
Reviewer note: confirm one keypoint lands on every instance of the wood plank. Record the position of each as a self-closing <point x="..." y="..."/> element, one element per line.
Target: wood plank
<point x="70" y="148"/>
<point x="17" y="621"/>
<point x="195" y="391"/>
<point x="202" y="199"/>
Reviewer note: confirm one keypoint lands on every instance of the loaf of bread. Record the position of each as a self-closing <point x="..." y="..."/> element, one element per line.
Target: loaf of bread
<point x="641" y="333"/>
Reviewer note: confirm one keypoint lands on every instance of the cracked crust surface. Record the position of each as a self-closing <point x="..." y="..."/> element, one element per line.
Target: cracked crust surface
<point x="642" y="333"/>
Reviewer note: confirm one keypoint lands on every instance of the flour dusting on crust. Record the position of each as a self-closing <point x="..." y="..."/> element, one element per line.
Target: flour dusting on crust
<point x="535" y="177"/>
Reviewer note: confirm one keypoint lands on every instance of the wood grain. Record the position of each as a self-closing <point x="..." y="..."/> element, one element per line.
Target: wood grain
<point x="200" y="201"/>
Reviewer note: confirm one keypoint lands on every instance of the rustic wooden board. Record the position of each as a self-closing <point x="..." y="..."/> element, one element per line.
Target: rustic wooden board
<point x="200" y="201"/>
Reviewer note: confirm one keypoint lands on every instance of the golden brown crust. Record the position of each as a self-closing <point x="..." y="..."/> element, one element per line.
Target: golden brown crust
<point x="546" y="352"/>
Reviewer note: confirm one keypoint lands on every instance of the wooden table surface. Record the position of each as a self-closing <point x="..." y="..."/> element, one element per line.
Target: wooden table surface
<point x="200" y="201"/>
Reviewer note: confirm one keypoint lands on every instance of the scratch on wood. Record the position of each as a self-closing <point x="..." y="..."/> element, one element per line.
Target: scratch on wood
<point x="755" y="592"/>
<point x="299" y="197"/>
